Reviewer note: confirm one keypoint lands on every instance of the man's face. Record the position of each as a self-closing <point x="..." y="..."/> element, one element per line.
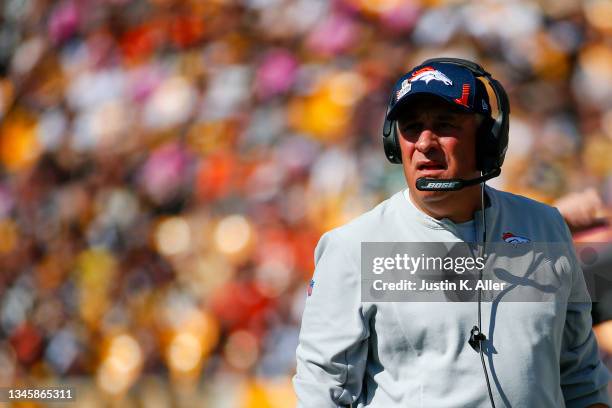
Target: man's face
<point x="437" y="141"/>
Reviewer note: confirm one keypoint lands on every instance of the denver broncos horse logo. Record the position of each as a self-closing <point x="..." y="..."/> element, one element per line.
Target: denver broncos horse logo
<point x="514" y="239"/>
<point x="427" y="74"/>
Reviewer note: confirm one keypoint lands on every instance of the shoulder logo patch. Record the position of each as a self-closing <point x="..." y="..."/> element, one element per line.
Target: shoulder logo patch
<point x="310" y="286"/>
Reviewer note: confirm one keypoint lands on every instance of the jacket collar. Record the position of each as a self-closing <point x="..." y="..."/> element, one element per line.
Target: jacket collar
<point x="410" y="210"/>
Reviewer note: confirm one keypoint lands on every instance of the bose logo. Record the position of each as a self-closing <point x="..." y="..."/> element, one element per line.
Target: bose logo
<point x="440" y="185"/>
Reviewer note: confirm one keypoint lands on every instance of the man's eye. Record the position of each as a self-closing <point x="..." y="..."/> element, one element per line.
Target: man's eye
<point x="411" y="127"/>
<point x="447" y="125"/>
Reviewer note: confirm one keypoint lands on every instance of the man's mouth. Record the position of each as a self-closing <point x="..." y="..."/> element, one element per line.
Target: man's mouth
<point x="427" y="166"/>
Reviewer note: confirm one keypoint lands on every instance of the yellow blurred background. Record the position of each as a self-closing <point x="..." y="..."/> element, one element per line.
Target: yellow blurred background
<point x="167" y="167"/>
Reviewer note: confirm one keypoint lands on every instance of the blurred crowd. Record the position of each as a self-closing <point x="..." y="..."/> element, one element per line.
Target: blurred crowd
<point x="167" y="167"/>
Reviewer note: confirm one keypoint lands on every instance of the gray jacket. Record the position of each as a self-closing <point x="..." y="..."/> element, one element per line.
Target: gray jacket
<point x="415" y="354"/>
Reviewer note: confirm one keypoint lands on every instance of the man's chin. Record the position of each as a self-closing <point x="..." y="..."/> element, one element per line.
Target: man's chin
<point x="432" y="196"/>
<point x="428" y="196"/>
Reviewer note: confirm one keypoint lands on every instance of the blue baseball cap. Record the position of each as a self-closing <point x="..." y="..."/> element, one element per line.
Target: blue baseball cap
<point x="451" y="82"/>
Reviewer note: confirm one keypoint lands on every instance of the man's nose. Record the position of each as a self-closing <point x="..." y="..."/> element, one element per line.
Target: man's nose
<point x="427" y="141"/>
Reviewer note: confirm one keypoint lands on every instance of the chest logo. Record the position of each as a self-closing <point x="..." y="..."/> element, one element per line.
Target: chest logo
<point x="514" y="239"/>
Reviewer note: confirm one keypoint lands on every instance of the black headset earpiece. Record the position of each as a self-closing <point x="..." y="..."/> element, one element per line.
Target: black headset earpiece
<point x="390" y="140"/>
<point x="497" y="142"/>
<point x="492" y="136"/>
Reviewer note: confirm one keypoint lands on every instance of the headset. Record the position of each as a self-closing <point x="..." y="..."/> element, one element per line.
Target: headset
<point x="491" y="146"/>
<point x="491" y="142"/>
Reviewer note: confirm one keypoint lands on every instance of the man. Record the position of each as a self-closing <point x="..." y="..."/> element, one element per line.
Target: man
<point x="416" y="354"/>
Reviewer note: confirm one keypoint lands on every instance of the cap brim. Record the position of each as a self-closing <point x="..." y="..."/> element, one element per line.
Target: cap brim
<point x="413" y="98"/>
